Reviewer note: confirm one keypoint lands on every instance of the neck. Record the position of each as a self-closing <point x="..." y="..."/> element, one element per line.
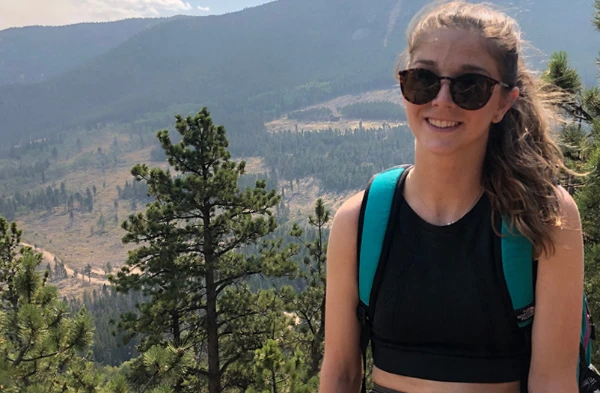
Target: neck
<point x="443" y="188"/>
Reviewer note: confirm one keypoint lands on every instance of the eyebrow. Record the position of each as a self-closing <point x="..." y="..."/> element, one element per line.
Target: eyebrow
<point x="464" y="67"/>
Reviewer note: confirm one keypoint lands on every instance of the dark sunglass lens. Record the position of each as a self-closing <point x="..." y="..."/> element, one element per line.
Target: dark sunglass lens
<point x="471" y="91"/>
<point x="419" y="86"/>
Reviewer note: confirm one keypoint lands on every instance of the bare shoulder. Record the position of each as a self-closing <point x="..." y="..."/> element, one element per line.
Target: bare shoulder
<point x="559" y="289"/>
<point x="346" y="216"/>
<point x="570" y="211"/>
<point x="567" y="234"/>
<point x="341" y="361"/>
<point x="344" y="230"/>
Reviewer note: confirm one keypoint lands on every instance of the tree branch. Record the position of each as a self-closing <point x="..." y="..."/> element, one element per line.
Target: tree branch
<point x="224" y="283"/>
<point x="230" y="361"/>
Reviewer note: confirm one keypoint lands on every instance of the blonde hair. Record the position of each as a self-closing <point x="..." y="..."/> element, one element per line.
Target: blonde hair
<point x="522" y="163"/>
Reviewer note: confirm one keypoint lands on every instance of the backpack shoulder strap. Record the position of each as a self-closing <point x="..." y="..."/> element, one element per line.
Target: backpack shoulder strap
<point x="588" y="332"/>
<point x="518" y="267"/>
<point x="372" y="227"/>
<point x="519" y="272"/>
<point x="373" y="223"/>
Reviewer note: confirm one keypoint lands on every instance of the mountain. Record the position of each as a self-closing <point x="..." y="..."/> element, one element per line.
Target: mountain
<point x="553" y="25"/>
<point x="32" y="54"/>
<point x="261" y="61"/>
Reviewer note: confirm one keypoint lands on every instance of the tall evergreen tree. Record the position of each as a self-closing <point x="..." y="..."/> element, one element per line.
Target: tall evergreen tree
<point x="87" y="270"/>
<point x="309" y="305"/>
<point x="580" y="142"/>
<point x="202" y="318"/>
<point x="588" y="198"/>
<point x="41" y="344"/>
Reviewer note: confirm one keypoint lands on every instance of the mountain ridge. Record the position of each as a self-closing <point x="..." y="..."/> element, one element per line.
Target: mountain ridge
<point x="32" y="54"/>
<point x="261" y="61"/>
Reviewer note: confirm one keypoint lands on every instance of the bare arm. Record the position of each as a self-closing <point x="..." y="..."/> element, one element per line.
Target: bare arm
<point x="557" y="323"/>
<point x="341" y="370"/>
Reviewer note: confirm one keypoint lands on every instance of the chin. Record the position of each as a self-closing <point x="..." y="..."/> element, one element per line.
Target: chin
<point x="439" y="149"/>
<point x="439" y="144"/>
<point x="449" y="143"/>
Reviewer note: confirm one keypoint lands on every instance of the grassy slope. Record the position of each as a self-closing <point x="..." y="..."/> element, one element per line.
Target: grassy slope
<point x="392" y="95"/>
<point x="75" y="245"/>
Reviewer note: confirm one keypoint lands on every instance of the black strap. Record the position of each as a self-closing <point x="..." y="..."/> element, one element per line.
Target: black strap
<point x="364" y="312"/>
<point x="524" y="314"/>
<point x="365" y="337"/>
<point x="528" y="332"/>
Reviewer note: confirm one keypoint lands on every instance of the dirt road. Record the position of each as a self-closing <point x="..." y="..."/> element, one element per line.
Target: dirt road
<point x="49" y="258"/>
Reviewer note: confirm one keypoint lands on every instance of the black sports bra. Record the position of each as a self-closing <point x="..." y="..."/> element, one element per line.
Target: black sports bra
<point x="442" y="311"/>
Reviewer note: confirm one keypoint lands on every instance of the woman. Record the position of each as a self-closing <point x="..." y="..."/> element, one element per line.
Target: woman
<point x="482" y="148"/>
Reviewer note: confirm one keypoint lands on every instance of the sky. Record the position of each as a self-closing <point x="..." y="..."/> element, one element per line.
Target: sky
<point x="17" y="13"/>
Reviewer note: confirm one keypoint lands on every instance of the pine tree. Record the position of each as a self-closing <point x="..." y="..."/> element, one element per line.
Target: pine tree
<point x="580" y="142"/>
<point x="108" y="268"/>
<point x="588" y="196"/>
<point x="565" y="78"/>
<point x="101" y="223"/>
<point x="40" y="342"/>
<point x="89" y="199"/>
<point x="279" y="372"/>
<point x="88" y="271"/>
<point x="202" y="314"/>
<point x="310" y="303"/>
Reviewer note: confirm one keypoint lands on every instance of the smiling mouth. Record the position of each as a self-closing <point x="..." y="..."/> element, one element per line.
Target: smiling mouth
<point x="443" y="123"/>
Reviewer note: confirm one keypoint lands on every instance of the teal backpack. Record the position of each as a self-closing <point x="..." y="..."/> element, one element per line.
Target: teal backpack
<point x="519" y="269"/>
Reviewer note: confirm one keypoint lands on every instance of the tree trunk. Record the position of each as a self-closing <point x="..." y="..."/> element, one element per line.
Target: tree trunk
<point x="176" y="329"/>
<point x="214" y="379"/>
<point x="273" y="379"/>
<point x="316" y="354"/>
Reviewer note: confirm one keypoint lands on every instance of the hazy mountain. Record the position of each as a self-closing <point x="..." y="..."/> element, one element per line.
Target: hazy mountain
<point x="33" y="54"/>
<point x="272" y="58"/>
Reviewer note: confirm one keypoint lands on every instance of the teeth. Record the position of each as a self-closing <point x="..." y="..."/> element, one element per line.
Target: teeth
<point x="442" y="123"/>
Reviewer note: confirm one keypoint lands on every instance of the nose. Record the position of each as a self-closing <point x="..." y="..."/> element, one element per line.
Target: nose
<point x="444" y="98"/>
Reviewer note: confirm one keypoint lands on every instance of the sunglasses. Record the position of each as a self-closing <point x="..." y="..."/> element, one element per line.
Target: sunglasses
<point x="469" y="91"/>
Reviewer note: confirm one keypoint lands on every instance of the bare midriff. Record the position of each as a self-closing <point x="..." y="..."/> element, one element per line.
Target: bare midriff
<point x="415" y="385"/>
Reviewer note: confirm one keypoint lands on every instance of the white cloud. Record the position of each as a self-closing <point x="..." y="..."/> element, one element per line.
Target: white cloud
<point x="153" y="11"/>
<point x="61" y="12"/>
<point x="204" y="9"/>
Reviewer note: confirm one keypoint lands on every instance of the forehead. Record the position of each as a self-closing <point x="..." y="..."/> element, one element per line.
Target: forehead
<point x="452" y="51"/>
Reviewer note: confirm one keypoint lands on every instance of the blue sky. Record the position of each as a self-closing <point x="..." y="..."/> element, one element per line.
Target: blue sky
<point x="16" y="13"/>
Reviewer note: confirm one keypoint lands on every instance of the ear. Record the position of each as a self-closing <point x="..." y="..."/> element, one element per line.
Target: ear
<point x="507" y="100"/>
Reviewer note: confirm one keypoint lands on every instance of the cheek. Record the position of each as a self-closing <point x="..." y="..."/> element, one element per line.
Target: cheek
<point x="412" y="116"/>
<point x="481" y="120"/>
<point x="411" y="110"/>
<point x="484" y="116"/>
